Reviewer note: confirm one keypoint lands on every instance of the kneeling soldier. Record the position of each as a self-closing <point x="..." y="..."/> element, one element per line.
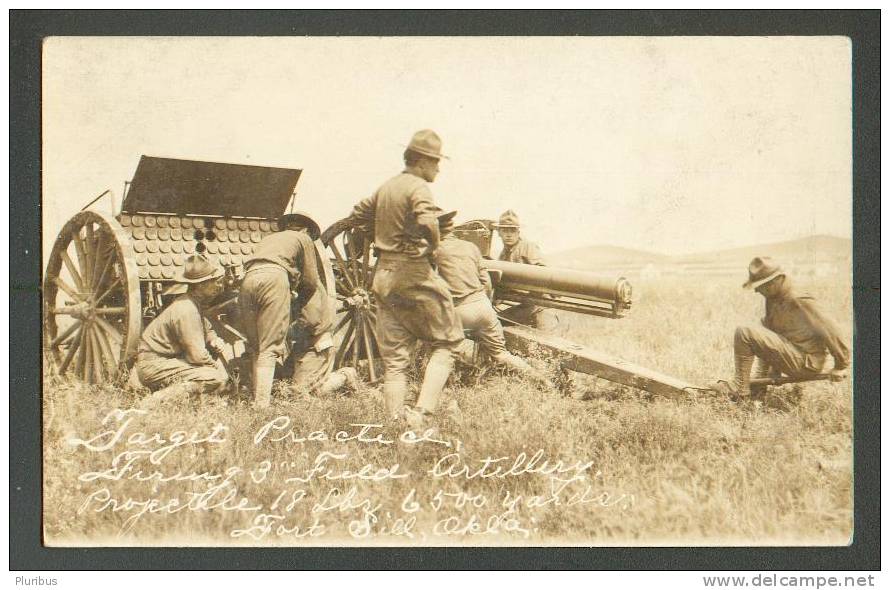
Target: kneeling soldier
<point x="173" y="348"/>
<point x="460" y="263"/>
<point x="795" y="337"/>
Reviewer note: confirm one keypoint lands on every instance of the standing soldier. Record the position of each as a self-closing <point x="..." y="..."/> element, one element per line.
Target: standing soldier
<point x="282" y="262"/>
<point x="460" y="263"/>
<point x="414" y="302"/>
<point x="519" y="250"/>
<point x="173" y="349"/>
<point x="795" y="337"/>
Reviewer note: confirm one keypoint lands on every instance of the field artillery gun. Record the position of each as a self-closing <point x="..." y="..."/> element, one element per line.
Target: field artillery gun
<point x="109" y="275"/>
<point x="551" y="287"/>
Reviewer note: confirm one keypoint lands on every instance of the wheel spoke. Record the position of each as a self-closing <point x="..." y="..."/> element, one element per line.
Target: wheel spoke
<point x="112" y="332"/>
<point x="360" y="322"/>
<point x="97" y="257"/>
<point x="102" y="297"/>
<point x="366" y="263"/>
<point x="75" y="344"/>
<point x="344" y="268"/>
<point x="98" y="280"/>
<point x="111" y="310"/>
<point x="98" y="365"/>
<point x="349" y="247"/>
<point x="107" y="351"/>
<point x="89" y="247"/>
<point x="67" y="289"/>
<point x="369" y="352"/>
<point x="81" y="355"/>
<point x="72" y="270"/>
<point x="342" y="322"/>
<point x="344" y="345"/>
<point x="81" y="254"/>
<point x="64" y="335"/>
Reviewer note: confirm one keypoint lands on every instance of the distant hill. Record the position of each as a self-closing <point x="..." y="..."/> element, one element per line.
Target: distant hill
<point x="811" y="249"/>
<point x="603" y="255"/>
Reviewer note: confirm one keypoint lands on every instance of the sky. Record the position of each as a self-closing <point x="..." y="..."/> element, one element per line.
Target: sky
<point x="671" y="145"/>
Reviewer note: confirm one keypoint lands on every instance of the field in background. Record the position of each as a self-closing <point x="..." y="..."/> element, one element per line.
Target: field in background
<point x="699" y="470"/>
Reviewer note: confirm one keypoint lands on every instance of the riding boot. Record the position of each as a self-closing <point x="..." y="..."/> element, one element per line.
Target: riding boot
<point x="263" y="377"/>
<point x="438" y="368"/>
<point x="395" y="388"/>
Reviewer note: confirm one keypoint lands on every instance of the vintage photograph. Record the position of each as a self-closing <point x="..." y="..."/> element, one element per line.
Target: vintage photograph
<point x="447" y="291"/>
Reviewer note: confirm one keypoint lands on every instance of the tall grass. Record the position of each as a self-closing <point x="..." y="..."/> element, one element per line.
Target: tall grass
<point x="697" y="470"/>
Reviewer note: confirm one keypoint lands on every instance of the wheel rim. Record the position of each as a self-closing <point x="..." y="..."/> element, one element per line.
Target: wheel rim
<point x="355" y="327"/>
<point x="91" y="299"/>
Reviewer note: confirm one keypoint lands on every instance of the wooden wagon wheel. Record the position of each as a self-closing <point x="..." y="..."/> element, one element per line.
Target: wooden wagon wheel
<point x="355" y="327"/>
<point x="91" y="299"/>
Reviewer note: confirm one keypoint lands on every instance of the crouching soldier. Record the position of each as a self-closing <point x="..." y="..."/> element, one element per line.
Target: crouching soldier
<point x="795" y="337"/>
<point x="521" y="251"/>
<point x="282" y="262"/>
<point x="173" y="353"/>
<point x="460" y="263"/>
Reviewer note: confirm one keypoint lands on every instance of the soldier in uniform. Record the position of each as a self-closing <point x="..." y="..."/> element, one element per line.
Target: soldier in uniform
<point x="460" y="263"/>
<point x="794" y="338"/>
<point x="281" y="263"/>
<point x="521" y="251"/>
<point x="414" y="301"/>
<point x="173" y="349"/>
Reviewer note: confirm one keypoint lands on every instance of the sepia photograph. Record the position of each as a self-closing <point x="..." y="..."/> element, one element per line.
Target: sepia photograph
<point x="474" y="291"/>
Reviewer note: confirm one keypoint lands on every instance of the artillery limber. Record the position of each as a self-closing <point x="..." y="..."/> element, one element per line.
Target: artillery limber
<point x="108" y="275"/>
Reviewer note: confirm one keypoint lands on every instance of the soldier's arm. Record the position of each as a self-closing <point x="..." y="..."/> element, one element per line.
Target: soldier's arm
<point x="190" y="331"/>
<point x="828" y="330"/>
<point x="532" y="254"/>
<point x="363" y="212"/>
<point x="425" y="213"/>
<point x="484" y="277"/>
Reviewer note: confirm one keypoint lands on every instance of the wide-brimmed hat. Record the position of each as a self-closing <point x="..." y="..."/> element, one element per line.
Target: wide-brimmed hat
<point x="197" y="269"/>
<point x="427" y="143"/>
<point x="508" y="218"/>
<point x="303" y="219"/>
<point x="446" y="217"/>
<point x="762" y="270"/>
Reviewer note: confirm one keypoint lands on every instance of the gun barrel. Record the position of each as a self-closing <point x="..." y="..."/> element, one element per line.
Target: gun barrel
<point x="542" y="283"/>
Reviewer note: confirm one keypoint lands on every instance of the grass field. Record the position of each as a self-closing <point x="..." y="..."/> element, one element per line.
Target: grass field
<point x="636" y="470"/>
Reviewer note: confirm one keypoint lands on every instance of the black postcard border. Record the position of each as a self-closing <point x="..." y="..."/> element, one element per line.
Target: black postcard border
<point x="29" y="28"/>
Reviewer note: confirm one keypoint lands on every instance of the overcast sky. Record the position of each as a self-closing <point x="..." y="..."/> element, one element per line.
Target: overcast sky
<point x="672" y="145"/>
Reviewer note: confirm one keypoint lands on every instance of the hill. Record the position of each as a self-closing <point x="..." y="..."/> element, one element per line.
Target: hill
<point x="821" y="248"/>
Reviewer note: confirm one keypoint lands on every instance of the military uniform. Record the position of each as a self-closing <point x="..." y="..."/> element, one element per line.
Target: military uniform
<point x="173" y="348"/>
<point x="795" y="337"/>
<point x="460" y="263"/>
<point x="413" y="300"/>
<point x="280" y="262"/>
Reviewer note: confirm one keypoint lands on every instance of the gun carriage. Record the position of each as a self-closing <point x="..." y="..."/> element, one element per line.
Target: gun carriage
<point x="108" y="275"/>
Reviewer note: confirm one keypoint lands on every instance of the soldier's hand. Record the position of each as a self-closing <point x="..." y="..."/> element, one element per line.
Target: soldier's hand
<point x="838" y="374"/>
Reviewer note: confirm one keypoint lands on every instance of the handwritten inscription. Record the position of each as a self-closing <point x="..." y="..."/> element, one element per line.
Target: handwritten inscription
<point x="285" y="484"/>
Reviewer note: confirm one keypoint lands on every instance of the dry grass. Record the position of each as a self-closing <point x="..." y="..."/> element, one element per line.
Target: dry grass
<point x="699" y="470"/>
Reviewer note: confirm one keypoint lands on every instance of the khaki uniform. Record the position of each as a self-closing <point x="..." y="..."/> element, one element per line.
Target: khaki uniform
<point x="525" y="252"/>
<point x="795" y="337"/>
<point x="413" y="301"/>
<point x="281" y="261"/>
<point x="173" y="348"/>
